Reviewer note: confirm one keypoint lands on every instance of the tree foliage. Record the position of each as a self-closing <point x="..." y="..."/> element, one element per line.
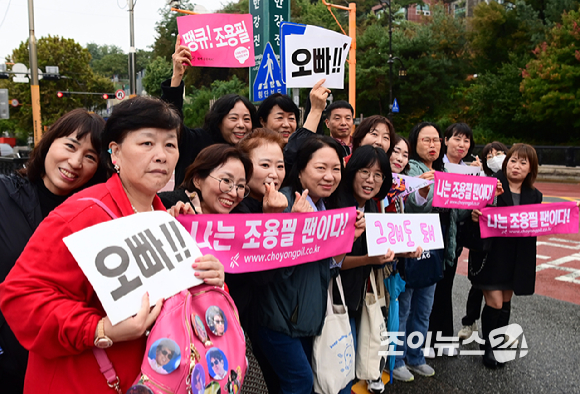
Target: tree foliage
<point x="73" y="62"/>
<point x="551" y="81"/>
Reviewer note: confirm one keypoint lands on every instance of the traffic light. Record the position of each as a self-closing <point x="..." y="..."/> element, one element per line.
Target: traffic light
<point x="61" y="94"/>
<point x="108" y="96"/>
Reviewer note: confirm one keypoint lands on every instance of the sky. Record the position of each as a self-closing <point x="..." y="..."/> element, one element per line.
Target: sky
<point x="104" y="22"/>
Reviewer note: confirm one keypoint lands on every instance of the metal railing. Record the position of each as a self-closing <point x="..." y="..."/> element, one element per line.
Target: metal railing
<point x="568" y="156"/>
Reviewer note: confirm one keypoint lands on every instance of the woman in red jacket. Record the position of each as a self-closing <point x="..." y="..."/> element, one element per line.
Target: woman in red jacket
<point x="47" y="300"/>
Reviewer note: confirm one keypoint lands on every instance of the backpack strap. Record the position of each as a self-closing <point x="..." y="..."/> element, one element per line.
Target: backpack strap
<point x="105" y="365"/>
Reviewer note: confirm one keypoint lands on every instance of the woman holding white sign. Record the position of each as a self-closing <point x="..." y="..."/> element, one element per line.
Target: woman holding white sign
<point x="507" y="265"/>
<point x="47" y="299"/>
<point x="66" y="159"/>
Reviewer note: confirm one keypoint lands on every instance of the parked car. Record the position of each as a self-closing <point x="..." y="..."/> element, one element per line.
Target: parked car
<point x="6" y="151"/>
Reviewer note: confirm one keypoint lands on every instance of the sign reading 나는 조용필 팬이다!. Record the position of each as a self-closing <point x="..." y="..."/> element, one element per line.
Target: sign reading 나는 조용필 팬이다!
<point x="463" y="191"/>
<point x="402" y="233"/>
<point x="258" y="242"/>
<point x="126" y="257"/>
<point x="218" y="40"/>
<point x="529" y="220"/>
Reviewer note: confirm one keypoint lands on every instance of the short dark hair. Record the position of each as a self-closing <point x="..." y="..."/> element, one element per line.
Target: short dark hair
<point x="279" y="99"/>
<point x="336" y="105"/>
<point x="528" y="152"/>
<point x="138" y="113"/>
<point x="498" y="146"/>
<point x="216" y="354"/>
<point x="369" y="124"/>
<point x="219" y="111"/>
<point x="84" y="123"/>
<point x="209" y="159"/>
<point x="365" y="157"/>
<point x="399" y="138"/>
<point x="459" y="129"/>
<point x="304" y="155"/>
<point x="414" y="139"/>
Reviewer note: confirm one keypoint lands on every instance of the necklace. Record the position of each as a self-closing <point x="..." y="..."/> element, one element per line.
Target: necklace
<point x="135" y="209"/>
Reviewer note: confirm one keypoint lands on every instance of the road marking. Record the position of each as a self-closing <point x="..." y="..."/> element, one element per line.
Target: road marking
<point x="565" y="240"/>
<point x="575" y="247"/>
<point x="539" y="256"/>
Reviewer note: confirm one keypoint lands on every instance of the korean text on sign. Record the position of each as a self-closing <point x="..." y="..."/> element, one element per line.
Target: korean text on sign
<point x="218" y="40"/>
<point x="402" y="233"/>
<point x="124" y="258"/>
<point x="317" y="54"/>
<point x="255" y="242"/>
<point x="529" y="220"/>
<point x="463" y="191"/>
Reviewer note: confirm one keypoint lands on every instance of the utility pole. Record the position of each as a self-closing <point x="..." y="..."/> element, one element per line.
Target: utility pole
<point x="34" y="88"/>
<point x="132" y="77"/>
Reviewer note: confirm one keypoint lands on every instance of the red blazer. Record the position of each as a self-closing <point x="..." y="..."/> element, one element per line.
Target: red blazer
<point x="52" y="308"/>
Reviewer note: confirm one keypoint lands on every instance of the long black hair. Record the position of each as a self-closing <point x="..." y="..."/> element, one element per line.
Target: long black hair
<point x="307" y="149"/>
<point x="414" y="140"/>
<point x="220" y="109"/>
<point x="364" y="157"/>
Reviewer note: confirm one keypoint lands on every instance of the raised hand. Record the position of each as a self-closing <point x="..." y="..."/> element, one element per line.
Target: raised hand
<point x="274" y="201"/>
<point x="359" y="225"/>
<point x="209" y="269"/>
<point x="181" y="58"/>
<point x="301" y="204"/>
<point x="181" y="208"/>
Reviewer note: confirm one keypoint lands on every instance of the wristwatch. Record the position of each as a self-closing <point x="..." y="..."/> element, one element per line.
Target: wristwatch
<point x="102" y="341"/>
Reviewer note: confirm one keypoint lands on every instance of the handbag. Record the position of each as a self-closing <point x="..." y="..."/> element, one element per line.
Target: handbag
<point x="333" y="358"/>
<point x="425" y="270"/>
<point x="371" y="331"/>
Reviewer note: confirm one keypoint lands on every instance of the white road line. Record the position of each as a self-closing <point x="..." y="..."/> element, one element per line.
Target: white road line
<point x="565" y="240"/>
<point x="542" y="257"/>
<point x="556" y="263"/>
<point x="574" y="247"/>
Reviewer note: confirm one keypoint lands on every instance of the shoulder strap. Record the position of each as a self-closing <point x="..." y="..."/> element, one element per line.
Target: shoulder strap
<point x="105" y="365"/>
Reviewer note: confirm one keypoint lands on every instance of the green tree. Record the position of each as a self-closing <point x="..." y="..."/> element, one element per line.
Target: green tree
<point x="551" y="81"/>
<point x="73" y="62"/>
<point x="197" y="103"/>
<point x="156" y="72"/>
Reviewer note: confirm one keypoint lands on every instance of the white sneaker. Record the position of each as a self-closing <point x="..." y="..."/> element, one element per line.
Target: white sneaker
<point x="466" y="331"/>
<point x="423" y="370"/>
<point x="376" y="386"/>
<point x="450" y="351"/>
<point x="403" y="374"/>
<point x="430" y="353"/>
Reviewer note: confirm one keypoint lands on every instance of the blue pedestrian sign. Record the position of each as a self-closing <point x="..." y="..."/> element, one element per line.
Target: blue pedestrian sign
<point x="269" y="78"/>
<point x="395" y="107"/>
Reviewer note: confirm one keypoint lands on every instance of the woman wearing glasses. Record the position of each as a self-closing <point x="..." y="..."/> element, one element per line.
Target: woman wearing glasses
<point x="219" y="176"/>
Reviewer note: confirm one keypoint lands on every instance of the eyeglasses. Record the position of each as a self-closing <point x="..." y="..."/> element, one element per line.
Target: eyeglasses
<point x="166" y="353"/>
<point x="218" y="321"/>
<point x="497" y="153"/>
<point x="214" y="362"/>
<point x="377" y="177"/>
<point x="427" y="140"/>
<point x="226" y="185"/>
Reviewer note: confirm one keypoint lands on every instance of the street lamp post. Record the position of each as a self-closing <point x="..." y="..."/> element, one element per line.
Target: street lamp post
<point x="132" y="80"/>
<point x="402" y="71"/>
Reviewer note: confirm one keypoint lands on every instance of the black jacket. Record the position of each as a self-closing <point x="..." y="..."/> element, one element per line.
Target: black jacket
<point x="191" y="141"/>
<point x="510" y="260"/>
<point x="354" y="280"/>
<point x="294" y="303"/>
<point x="20" y="215"/>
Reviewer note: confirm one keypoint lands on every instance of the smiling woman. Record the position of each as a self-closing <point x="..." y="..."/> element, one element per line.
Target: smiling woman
<point x="65" y="160"/>
<point x="48" y="301"/>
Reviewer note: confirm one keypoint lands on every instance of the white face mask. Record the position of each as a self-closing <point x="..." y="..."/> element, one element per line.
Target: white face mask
<point x="495" y="163"/>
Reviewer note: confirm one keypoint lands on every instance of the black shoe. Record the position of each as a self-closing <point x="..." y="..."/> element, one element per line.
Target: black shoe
<point x="489" y="359"/>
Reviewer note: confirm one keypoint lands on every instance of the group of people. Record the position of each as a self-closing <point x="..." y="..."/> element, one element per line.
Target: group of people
<point x="242" y="160"/>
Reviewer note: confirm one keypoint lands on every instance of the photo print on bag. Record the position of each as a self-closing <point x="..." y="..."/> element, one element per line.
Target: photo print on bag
<point x="164" y="356"/>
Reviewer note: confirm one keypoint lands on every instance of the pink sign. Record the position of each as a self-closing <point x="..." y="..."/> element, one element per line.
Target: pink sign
<point x="463" y="191"/>
<point x="258" y="242"/>
<point x="218" y="40"/>
<point x="529" y="220"/>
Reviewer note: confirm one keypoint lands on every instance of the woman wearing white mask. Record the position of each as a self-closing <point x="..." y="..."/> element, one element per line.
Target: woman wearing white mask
<point x="493" y="155"/>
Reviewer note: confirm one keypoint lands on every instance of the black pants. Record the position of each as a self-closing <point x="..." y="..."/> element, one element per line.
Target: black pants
<point x="473" y="307"/>
<point x="442" y="313"/>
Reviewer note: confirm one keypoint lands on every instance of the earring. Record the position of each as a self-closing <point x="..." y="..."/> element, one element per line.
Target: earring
<point x="116" y="167"/>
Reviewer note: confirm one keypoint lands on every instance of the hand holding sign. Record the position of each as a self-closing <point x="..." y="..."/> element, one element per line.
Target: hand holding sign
<point x="274" y="201"/>
<point x="181" y="208"/>
<point x="133" y="327"/>
<point x="359" y="225"/>
<point x="181" y="58"/>
<point x="209" y="269"/>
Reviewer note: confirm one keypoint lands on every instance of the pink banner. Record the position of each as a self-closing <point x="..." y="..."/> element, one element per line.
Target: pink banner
<point x="529" y="220"/>
<point x="258" y="242"/>
<point x="463" y="191"/>
<point x="218" y="40"/>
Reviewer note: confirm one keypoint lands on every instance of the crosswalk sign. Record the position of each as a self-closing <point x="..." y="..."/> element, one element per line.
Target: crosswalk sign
<point x="269" y="78"/>
<point x="395" y="107"/>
